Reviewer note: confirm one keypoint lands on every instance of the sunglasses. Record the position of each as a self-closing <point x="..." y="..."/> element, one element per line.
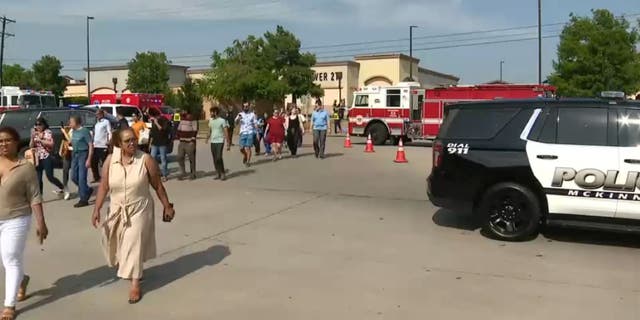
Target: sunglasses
<point x="39" y="124"/>
<point x="128" y="141"/>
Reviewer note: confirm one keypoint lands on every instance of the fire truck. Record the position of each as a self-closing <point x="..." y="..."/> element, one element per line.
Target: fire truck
<point x="16" y="98"/>
<point x="409" y="111"/>
<point x="144" y="101"/>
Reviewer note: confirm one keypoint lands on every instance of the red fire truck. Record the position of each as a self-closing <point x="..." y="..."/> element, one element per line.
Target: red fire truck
<point x="144" y="101"/>
<point x="409" y="111"/>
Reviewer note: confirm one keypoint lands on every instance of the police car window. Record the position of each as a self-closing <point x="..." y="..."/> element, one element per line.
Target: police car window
<point x="477" y="123"/>
<point x="393" y="98"/>
<point x="582" y="126"/>
<point x="126" y="111"/>
<point x="361" y="101"/>
<point x="629" y="128"/>
<point x="549" y="130"/>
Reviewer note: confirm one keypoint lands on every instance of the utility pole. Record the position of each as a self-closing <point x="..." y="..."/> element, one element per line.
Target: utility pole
<point x="539" y="41"/>
<point x="3" y="35"/>
<point x="88" y="62"/>
<point x="411" y="51"/>
<point x="501" y="63"/>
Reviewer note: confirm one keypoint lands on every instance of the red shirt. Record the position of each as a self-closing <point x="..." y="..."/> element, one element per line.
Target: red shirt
<point x="276" y="127"/>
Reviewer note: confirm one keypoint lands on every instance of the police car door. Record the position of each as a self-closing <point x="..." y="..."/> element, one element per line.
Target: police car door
<point x="570" y="152"/>
<point x="629" y="150"/>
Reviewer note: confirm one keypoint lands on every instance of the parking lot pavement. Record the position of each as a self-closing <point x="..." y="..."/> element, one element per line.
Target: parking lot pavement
<point x="348" y="237"/>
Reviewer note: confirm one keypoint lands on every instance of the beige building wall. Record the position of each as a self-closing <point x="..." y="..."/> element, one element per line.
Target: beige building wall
<point x="102" y="78"/>
<point x="378" y="70"/>
<point x="75" y="90"/>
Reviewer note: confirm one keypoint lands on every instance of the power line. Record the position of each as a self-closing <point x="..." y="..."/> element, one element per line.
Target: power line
<point x="4" y="35"/>
<point x="321" y="47"/>
<point x="456" y="46"/>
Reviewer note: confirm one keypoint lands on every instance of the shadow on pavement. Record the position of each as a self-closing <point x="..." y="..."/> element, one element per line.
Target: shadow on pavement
<point x="155" y="277"/>
<point x="237" y="174"/>
<point x="458" y="220"/>
<point x="601" y="238"/>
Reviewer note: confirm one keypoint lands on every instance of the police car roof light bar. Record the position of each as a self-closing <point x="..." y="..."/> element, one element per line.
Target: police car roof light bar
<point x="612" y="95"/>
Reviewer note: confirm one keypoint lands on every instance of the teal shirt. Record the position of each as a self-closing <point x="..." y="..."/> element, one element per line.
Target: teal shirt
<point x="80" y="139"/>
<point x="216" y="128"/>
<point x="320" y="120"/>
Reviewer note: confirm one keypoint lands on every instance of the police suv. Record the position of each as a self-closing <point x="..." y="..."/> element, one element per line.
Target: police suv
<point x="518" y="164"/>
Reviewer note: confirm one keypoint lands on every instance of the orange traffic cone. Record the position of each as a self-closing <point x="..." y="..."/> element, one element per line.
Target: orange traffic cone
<point x="347" y="141"/>
<point x="400" y="156"/>
<point x="369" y="147"/>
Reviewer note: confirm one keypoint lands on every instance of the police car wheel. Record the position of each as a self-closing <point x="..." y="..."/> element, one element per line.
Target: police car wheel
<point x="510" y="212"/>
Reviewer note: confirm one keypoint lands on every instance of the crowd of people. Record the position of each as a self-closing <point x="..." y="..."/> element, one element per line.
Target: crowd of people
<point x="126" y="162"/>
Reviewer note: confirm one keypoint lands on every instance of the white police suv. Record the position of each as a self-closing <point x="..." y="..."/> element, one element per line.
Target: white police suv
<point x="522" y="163"/>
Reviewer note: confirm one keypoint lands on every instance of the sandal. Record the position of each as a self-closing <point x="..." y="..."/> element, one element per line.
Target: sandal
<point x="9" y="313"/>
<point x="134" y="296"/>
<point x="22" y="291"/>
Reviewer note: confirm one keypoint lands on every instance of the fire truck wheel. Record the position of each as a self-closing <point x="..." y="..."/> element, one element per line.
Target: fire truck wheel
<point x="379" y="133"/>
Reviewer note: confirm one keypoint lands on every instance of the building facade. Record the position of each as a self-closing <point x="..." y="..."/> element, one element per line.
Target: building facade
<point x="339" y="79"/>
<point x="112" y="79"/>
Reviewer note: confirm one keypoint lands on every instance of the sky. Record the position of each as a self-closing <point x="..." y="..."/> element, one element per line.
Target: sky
<point x="190" y="30"/>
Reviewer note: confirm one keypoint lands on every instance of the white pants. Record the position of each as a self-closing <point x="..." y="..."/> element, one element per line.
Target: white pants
<point x="13" y="237"/>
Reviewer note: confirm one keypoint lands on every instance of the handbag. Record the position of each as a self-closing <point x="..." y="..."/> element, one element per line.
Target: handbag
<point x="30" y="155"/>
<point x="144" y="136"/>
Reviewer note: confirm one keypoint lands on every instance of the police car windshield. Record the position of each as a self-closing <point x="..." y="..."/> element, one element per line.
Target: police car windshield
<point x="48" y="101"/>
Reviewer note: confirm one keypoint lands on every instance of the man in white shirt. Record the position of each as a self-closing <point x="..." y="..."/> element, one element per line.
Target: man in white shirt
<point x="101" y="139"/>
<point x="247" y="121"/>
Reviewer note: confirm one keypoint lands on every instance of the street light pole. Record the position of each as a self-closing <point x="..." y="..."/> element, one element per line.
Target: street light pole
<point x="411" y="51"/>
<point x="501" y="63"/>
<point x="88" y="62"/>
<point x="539" y="41"/>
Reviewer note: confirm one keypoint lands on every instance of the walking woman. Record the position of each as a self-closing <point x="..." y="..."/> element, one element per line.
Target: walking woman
<point x="20" y="197"/>
<point x="295" y="130"/>
<point x="275" y="130"/>
<point x="42" y="142"/>
<point x="218" y="133"/>
<point x="129" y="229"/>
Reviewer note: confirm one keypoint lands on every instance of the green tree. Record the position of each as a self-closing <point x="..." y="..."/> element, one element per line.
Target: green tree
<point x="16" y="75"/>
<point x="46" y="73"/>
<point x="261" y="69"/>
<point x="149" y="73"/>
<point x="190" y="97"/>
<point x="596" y="54"/>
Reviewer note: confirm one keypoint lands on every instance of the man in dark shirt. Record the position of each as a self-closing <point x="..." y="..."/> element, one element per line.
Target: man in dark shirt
<point x="231" y="119"/>
<point x="159" y="140"/>
<point x="122" y="122"/>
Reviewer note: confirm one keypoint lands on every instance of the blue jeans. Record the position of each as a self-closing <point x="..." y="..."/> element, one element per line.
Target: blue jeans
<point x="160" y="154"/>
<point x="79" y="174"/>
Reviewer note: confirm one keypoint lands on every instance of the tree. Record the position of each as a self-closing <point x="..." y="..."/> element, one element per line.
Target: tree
<point x="596" y="54"/>
<point x="46" y="73"/>
<point x="290" y="64"/>
<point x="16" y="75"/>
<point x="261" y="69"/>
<point x="149" y="73"/>
<point x="190" y="97"/>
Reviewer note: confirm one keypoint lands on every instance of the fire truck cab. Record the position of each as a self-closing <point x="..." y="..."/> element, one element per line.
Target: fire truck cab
<point x="16" y="98"/>
<point x="408" y="111"/>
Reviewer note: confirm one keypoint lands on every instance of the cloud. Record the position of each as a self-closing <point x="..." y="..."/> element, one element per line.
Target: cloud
<point x="428" y="14"/>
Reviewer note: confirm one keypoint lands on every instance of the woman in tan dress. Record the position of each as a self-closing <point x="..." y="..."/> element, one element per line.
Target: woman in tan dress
<point x="129" y="228"/>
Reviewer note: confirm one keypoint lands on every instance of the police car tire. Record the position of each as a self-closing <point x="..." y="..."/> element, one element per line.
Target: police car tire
<point x="379" y="133"/>
<point x="509" y="201"/>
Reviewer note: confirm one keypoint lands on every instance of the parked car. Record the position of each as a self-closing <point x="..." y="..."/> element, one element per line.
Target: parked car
<point x="24" y="119"/>
<point x="521" y="164"/>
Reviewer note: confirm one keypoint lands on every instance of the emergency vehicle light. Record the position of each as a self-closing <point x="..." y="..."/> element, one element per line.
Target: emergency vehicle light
<point x="612" y="95"/>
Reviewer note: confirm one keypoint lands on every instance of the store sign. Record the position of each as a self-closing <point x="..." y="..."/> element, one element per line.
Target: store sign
<point x="327" y="76"/>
